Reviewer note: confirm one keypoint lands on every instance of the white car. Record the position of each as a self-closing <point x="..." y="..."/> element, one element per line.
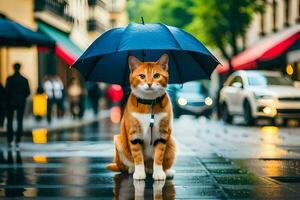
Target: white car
<point x="259" y="94"/>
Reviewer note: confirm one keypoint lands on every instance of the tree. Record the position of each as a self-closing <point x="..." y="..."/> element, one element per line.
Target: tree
<point x="222" y="24"/>
<point x="174" y="13"/>
<point x="137" y="9"/>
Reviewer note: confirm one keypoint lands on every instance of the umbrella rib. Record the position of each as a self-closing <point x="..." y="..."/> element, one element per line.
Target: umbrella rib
<point x="92" y="68"/>
<point x="125" y="70"/>
<point x="202" y="66"/>
<point x="117" y="49"/>
<point x="166" y="27"/>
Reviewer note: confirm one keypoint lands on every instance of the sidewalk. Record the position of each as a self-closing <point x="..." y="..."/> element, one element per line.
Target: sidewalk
<point x="59" y="124"/>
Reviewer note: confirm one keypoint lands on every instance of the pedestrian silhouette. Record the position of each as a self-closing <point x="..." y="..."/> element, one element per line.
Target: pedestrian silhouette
<point x="49" y="89"/>
<point x="94" y="93"/>
<point x="14" y="175"/>
<point x="76" y="98"/>
<point x="2" y="103"/>
<point x="17" y="90"/>
<point x="58" y="91"/>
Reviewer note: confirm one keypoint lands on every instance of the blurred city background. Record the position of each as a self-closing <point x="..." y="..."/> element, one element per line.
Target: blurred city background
<point x="238" y="133"/>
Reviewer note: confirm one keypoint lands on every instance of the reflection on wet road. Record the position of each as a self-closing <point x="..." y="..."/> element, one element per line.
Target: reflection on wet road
<point x="127" y="188"/>
<point x="71" y="165"/>
<point x="73" y="177"/>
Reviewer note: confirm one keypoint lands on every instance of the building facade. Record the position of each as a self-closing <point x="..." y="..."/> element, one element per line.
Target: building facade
<point x="80" y="22"/>
<point x="272" y="41"/>
<point x="22" y="12"/>
<point x="73" y="24"/>
<point x="281" y="18"/>
<point x="278" y="15"/>
<point x="93" y="17"/>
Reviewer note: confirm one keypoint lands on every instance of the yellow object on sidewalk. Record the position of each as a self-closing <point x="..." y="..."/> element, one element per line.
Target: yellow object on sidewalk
<point x="40" y="158"/>
<point x="39" y="135"/>
<point x="40" y="105"/>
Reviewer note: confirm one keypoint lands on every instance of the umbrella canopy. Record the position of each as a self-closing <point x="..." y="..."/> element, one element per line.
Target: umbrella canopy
<point x="106" y="59"/>
<point x="14" y="34"/>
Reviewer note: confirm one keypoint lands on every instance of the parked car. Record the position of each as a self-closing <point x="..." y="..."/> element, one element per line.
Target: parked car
<point x="192" y="98"/>
<point x="257" y="94"/>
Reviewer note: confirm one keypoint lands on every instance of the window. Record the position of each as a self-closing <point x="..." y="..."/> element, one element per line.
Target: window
<point x="287" y="13"/>
<point x="264" y="80"/>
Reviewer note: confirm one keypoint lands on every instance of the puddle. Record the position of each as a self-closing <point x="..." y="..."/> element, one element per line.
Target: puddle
<point x="271" y="168"/>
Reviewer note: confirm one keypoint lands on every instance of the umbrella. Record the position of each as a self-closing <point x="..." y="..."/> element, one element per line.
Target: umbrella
<point x="14" y="34"/>
<point x="106" y="59"/>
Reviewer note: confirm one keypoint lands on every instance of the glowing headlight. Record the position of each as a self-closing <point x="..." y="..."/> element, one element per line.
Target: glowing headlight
<point x="270" y="110"/>
<point x="262" y="96"/>
<point x="208" y="101"/>
<point x="182" y="101"/>
<point x="267" y="110"/>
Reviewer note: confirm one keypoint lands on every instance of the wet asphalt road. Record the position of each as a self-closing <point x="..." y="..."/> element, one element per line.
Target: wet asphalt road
<point x="215" y="161"/>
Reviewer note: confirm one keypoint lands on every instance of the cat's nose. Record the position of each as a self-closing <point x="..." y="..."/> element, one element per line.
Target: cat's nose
<point x="149" y="85"/>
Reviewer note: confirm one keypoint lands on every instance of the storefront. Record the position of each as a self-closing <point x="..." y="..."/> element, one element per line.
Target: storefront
<point x="280" y="51"/>
<point x="58" y="61"/>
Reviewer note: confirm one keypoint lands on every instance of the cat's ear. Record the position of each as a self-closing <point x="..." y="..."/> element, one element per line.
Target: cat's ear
<point x="133" y="63"/>
<point x="163" y="61"/>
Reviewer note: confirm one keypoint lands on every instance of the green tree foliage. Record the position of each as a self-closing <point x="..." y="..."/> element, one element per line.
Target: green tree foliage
<point x="222" y="23"/>
<point x="173" y="12"/>
<point x="137" y="9"/>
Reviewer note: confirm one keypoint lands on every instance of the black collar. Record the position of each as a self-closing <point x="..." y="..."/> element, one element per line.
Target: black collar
<point x="150" y="101"/>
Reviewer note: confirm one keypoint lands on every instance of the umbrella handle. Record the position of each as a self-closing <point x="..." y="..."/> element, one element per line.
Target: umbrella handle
<point x="142" y="18"/>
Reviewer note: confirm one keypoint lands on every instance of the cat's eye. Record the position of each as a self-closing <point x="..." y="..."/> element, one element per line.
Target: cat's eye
<point x="156" y="75"/>
<point x="142" y="76"/>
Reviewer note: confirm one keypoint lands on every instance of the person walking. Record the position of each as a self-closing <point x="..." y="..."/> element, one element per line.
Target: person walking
<point x="58" y="91"/>
<point x="94" y="93"/>
<point x="17" y="90"/>
<point x="49" y="89"/>
<point x="2" y="107"/>
<point x="76" y="98"/>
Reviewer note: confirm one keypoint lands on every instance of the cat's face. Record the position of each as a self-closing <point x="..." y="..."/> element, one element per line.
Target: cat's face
<point x="149" y="80"/>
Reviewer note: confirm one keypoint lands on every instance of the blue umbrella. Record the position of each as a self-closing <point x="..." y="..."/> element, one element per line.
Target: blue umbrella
<point x="14" y="34"/>
<point x="106" y="59"/>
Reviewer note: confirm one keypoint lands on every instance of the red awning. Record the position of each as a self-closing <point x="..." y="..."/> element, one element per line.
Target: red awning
<point x="65" y="48"/>
<point x="65" y="54"/>
<point x="264" y="50"/>
<point x="61" y="52"/>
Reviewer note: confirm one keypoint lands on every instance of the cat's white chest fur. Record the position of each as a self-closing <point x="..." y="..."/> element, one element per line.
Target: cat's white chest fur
<point x="145" y="119"/>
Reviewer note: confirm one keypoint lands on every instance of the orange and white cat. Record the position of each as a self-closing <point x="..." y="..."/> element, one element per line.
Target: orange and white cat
<point x="145" y="143"/>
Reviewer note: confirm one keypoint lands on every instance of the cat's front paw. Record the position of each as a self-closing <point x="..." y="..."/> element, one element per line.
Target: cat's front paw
<point x="138" y="175"/>
<point x="158" y="173"/>
<point x="139" y="172"/>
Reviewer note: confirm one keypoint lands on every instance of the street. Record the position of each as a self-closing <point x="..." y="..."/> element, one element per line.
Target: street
<point x="215" y="161"/>
<point x="228" y="72"/>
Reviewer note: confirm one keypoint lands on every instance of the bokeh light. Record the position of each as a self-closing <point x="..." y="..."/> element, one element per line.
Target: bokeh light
<point x="115" y="114"/>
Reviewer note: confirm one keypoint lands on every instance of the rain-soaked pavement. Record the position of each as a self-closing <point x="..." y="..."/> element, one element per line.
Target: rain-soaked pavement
<point x="214" y="162"/>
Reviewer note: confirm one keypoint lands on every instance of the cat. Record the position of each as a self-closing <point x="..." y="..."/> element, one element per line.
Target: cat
<point x="145" y="143"/>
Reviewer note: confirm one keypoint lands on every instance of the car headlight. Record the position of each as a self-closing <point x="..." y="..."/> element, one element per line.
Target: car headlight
<point x="182" y="101"/>
<point x="208" y="101"/>
<point x="262" y="96"/>
<point x="269" y="110"/>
